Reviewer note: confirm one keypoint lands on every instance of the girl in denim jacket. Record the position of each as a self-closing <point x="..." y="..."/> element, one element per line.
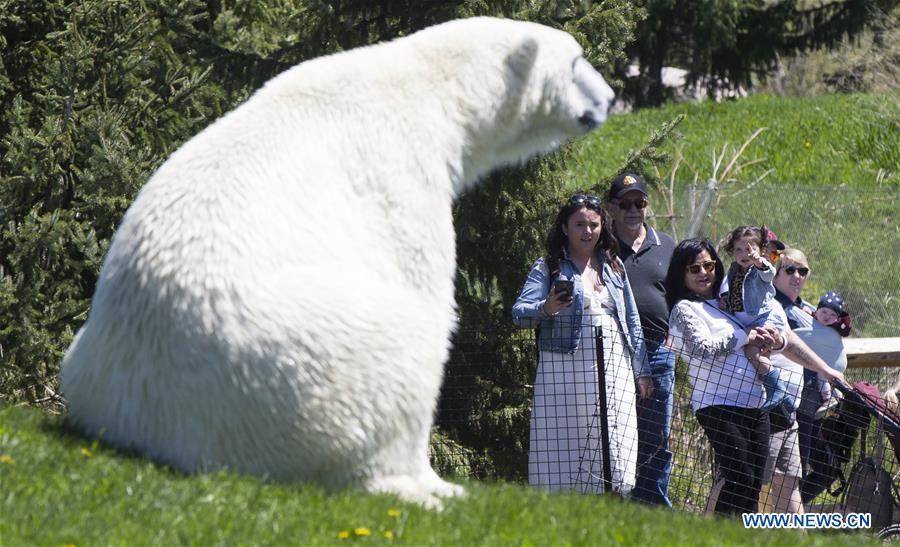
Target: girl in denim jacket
<point x="747" y="292"/>
<point x="565" y="449"/>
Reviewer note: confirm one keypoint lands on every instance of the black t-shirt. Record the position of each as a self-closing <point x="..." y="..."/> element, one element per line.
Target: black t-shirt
<point x="646" y="270"/>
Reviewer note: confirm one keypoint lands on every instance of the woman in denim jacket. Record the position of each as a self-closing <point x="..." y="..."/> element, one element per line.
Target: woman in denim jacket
<point x="565" y="448"/>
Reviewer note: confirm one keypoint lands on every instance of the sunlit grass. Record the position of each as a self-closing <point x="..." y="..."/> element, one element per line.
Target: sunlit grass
<point x="828" y="172"/>
<point x="828" y="139"/>
<point x="61" y="489"/>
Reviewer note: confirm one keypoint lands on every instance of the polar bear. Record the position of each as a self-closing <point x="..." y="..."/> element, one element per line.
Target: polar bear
<point x="279" y="298"/>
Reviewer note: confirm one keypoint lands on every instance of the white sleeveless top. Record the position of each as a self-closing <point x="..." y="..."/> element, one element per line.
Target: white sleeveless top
<point x="599" y="302"/>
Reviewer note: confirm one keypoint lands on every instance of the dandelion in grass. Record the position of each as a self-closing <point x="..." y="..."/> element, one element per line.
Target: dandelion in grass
<point x="393" y="513"/>
<point x="388" y="534"/>
<point x="343" y="534"/>
<point x="7" y="459"/>
<point x="87" y="452"/>
<point x="807" y="145"/>
<point x="362" y="531"/>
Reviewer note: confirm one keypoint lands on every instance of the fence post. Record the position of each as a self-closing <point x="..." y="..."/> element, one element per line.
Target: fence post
<point x="602" y="409"/>
<point x="699" y="215"/>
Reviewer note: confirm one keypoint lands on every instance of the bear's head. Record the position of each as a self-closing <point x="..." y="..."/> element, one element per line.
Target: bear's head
<point x="520" y="88"/>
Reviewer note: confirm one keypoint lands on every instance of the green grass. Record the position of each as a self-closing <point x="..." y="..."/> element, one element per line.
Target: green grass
<point x="832" y="189"/>
<point x="828" y="139"/>
<point x="850" y="236"/>
<point x="59" y="489"/>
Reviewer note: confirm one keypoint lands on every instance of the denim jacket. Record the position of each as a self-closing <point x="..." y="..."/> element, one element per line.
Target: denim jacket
<point x="758" y="293"/>
<point x="562" y="332"/>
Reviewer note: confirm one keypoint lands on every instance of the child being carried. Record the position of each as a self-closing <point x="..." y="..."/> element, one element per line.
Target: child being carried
<point x="831" y="313"/>
<point x="748" y="294"/>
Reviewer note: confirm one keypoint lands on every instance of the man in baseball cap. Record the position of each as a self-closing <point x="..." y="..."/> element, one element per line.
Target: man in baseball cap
<point x="624" y="183"/>
<point x="646" y="254"/>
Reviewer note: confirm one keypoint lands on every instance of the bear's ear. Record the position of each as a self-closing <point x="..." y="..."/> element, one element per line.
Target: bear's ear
<point x="522" y="58"/>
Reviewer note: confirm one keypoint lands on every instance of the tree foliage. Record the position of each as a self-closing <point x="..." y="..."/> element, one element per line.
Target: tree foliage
<point x="96" y="94"/>
<point x="730" y="43"/>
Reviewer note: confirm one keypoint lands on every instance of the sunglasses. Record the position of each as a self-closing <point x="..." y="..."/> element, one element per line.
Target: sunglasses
<point x="625" y="205"/>
<point x="581" y="199"/>
<point x="791" y="270"/>
<point x="709" y="267"/>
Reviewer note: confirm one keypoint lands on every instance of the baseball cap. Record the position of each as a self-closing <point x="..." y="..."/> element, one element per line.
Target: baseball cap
<point x="833" y="301"/>
<point x="624" y="183"/>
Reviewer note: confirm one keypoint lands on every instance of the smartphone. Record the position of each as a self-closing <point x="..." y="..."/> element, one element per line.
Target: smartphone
<point x="564" y="286"/>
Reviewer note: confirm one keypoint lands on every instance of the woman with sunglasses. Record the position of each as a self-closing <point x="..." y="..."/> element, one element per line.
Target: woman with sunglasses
<point x="783" y="469"/>
<point x="793" y="273"/>
<point x="790" y="278"/>
<point x="727" y="393"/>
<point x="577" y="289"/>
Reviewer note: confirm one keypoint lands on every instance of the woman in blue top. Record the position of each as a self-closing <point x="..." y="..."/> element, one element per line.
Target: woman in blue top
<point x="565" y="449"/>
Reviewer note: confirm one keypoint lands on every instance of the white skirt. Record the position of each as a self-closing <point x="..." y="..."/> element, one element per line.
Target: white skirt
<point x="565" y="448"/>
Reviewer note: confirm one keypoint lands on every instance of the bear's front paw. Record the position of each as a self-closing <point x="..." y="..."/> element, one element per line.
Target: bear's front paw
<point x="439" y="487"/>
<point x="426" y="493"/>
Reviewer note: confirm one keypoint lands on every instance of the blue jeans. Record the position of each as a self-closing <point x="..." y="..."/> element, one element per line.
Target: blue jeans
<point x="654" y="417"/>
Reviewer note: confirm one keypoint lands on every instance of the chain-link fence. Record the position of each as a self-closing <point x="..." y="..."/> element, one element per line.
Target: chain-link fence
<point x="850" y="235"/>
<point x="509" y="411"/>
<point x="572" y="424"/>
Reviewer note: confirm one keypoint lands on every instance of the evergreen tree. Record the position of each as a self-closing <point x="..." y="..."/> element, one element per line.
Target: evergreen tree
<point x="730" y="43"/>
<point x="94" y="95"/>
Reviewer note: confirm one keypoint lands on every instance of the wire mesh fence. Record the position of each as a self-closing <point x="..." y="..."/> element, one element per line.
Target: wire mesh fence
<point x="569" y="421"/>
<point x="850" y="234"/>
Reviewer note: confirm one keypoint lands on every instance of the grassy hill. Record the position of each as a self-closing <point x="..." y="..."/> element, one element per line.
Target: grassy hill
<point x="825" y="174"/>
<point x="827" y="139"/>
<point x="60" y="489"/>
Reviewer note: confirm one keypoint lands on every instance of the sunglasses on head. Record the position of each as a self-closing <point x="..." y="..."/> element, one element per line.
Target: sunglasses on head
<point x="625" y="205"/>
<point x="708" y="266"/>
<point x="581" y="199"/>
<point x="791" y="270"/>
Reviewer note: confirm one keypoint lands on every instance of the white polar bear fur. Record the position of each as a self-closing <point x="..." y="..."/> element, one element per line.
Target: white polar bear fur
<point x="279" y="298"/>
